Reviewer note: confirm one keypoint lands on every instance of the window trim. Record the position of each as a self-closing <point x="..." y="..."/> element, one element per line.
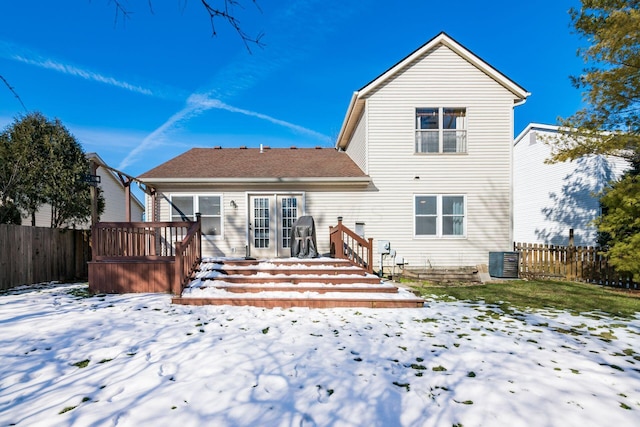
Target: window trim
<point x="440" y="131"/>
<point x="439" y="217"/>
<point x="196" y="209"/>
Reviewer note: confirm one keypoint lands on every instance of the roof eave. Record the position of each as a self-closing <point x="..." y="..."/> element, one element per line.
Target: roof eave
<point x="262" y="180"/>
<point x="351" y="118"/>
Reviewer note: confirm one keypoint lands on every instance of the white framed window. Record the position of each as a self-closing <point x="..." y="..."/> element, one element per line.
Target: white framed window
<point x="185" y="206"/>
<point x="439" y="215"/>
<point x="441" y="130"/>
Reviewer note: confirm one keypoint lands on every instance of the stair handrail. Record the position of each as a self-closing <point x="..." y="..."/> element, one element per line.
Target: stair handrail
<point x="188" y="256"/>
<point x="347" y="244"/>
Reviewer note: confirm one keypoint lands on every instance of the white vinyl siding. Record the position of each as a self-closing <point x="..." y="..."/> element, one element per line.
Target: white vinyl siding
<point x="324" y="203"/>
<point x="443" y="79"/>
<point x="357" y="148"/>
<point x="550" y="199"/>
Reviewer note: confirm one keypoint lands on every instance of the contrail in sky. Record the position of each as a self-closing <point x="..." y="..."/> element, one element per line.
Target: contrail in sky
<point x="197" y="104"/>
<point x="85" y="74"/>
<point x="26" y="56"/>
<point x="303" y="21"/>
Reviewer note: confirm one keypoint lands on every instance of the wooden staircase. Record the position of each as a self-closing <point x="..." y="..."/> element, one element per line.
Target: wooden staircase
<point x="291" y="282"/>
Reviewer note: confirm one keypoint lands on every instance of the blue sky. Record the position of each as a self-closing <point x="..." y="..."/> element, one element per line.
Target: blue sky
<point x="142" y="90"/>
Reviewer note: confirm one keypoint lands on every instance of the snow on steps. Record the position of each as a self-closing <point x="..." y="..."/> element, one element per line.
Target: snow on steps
<point x="291" y="282"/>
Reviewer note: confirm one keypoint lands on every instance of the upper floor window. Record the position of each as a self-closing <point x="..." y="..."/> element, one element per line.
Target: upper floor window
<point x="441" y="130"/>
<point x="185" y="208"/>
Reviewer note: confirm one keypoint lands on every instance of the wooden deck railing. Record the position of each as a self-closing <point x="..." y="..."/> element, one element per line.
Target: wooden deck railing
<point x="137" y="239"/>
<point x="144" y="256"/>
<point x="188" y="255"/>
<point x="346" y="244"/>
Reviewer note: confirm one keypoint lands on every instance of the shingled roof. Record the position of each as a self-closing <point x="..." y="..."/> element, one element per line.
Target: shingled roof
<point x="212" y="164"/>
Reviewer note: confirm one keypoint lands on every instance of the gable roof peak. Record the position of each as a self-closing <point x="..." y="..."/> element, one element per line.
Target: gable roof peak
<point x="445" y="39"/>
<point x="356" y="105"/>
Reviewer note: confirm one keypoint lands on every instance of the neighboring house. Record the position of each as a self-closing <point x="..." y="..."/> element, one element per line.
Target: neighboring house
<point x="551" y="199"/>
<point x="423" y="159"/>
<point x="114" y="197"/>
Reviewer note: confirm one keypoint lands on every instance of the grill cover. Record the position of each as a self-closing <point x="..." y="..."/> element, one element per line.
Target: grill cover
<point x="303" y="238"/>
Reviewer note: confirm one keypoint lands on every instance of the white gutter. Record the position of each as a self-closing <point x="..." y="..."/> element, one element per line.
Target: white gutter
<point x="305" y="180"/>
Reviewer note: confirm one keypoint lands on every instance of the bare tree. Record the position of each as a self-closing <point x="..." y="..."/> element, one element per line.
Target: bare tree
<point x="218" y="10"/>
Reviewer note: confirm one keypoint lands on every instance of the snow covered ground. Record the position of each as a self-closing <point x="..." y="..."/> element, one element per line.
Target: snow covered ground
<point x="137" y="360"/>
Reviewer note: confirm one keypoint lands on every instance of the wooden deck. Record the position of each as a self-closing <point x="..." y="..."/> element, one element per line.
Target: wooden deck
<point x="143" y="256"/>
<point x="316" y="283"/>
<point x="166" y="257"/>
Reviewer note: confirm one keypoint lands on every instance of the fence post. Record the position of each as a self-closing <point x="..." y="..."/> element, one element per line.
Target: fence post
<point x="571" y="258"/>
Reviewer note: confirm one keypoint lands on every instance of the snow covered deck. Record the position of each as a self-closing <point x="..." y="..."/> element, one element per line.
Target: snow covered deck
<point x="292" y="282"/>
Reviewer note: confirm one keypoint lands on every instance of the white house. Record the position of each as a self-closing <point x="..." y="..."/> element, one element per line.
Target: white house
<point x="114" y="196"/>
<point x="423" y="159"/>
<point x="551" y="199"/>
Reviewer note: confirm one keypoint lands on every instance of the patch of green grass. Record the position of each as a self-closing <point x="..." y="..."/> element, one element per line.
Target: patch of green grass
<point x="426" y="320"/>
<point x="265" y="330"/>
<point x="541" y="294"/>
<point x="81" y="364"/>
<point x="406" y="386"/>
<point x="82" y="292"/>
<point x="439" y="368"/>
<point x="606" y="336"/>
<point x="67" y="409"/>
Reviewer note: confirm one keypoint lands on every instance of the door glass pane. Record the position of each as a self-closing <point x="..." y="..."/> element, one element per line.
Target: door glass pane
<point x="261" y="222"/>
<point x="182" y="206"/>
<point x="289" y="215"/>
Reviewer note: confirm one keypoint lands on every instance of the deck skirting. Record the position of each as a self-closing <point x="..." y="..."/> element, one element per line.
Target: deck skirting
<point x="119" y="276"/>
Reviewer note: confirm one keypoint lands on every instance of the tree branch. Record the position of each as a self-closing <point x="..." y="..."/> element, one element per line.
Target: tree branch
<point x="228" y="15"/>
<point x="13" y="92"/>
<point x="222" y="12"/>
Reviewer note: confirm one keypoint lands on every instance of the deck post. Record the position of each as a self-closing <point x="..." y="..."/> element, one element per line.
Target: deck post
<point x="370" y="257"/>
<point x="199" y="235"/>
<point x="176" y="287"/>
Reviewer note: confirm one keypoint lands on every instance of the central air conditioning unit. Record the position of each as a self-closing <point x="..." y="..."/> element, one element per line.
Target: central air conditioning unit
<point x="504" y="264"/>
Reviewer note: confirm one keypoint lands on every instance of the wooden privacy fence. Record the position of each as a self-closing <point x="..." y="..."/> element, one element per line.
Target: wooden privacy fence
<point x="144" y="256"/>
<point x="578" y="263"/>
<point x="36" y="254"/>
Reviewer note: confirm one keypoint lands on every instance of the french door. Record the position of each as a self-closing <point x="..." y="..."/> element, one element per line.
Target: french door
<point x="271" y="217"/>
